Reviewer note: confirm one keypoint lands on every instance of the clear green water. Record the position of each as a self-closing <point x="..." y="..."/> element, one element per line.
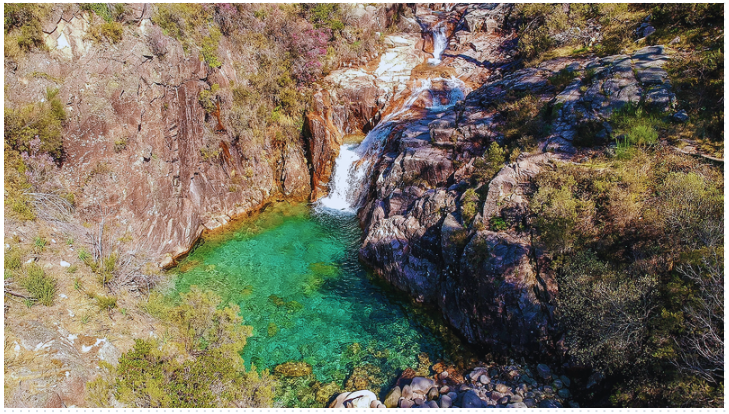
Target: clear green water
<point x="294" y="273"/>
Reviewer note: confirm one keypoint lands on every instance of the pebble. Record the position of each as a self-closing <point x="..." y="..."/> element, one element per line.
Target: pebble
<point x="504" y="400"/>
<point x="444" y="389"/>
<point x="566" y="381"/>
<point x="392" y="397"/>
<point x="65" y="264"/>
<point x="452" y="395"/>
<point x="421" y="384"/>
<point x="29" y="261"/>
<point x="443" y="375"/>
<point x="557" y="384"/>
<point x="470" y="400"/>
<point x="517" y="405"/>
<point x="432" y="404"/>
<point x="502" y="388"/>
<point x="549" y="404"/>
<point x="407" y="392"/>
<point x="433" y="393"/>
<point x="418" y="401"/>
<point x="544" y="371"/>
<point x="404" y="403"/>
<point x="484" y="379"/>
<point x="529" y="402"/>
<point x="548" y="389"/>
<point x="681" y="116"/>
<point x="516" y="398"/>
<point x="445" y="401"/>
<point x="564" y="393"/>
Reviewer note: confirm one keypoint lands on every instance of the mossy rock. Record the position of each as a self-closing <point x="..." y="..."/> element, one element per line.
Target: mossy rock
<point x="293" y="369"/>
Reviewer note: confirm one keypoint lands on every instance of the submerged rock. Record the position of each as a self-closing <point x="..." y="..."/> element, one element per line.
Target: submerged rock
<point x="293" y="369"/>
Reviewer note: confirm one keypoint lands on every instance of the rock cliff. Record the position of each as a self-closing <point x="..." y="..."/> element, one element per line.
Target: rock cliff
<point x="488" y="280"/>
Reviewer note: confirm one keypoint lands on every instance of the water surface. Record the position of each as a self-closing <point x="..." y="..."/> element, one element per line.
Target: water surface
<point x="294" y="272"/>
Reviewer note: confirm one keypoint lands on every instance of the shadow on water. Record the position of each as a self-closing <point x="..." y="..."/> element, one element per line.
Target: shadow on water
<point x="295" y="273"/>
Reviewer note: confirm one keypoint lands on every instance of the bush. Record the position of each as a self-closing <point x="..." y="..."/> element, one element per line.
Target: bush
<point x="562" y="78"/>
<point x="42" y="121"/>
<point x="41" y="287"/>
<point x="113" y="32"/>
<point x="607" y="313"/>
<point x="486" y="167"/>
<point x="210" y="375"/>
<point x="498" y="224"/>
<point x="23" y="30"/>
<point x="469" y="206"/>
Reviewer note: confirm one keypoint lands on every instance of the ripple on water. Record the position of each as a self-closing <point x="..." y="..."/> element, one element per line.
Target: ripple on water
<point x="294" y="273"/>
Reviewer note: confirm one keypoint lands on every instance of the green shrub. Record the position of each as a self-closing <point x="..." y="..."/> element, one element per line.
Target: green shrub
<point x="40" y="286"/>
<point x="105" y="303"/>
<point x="100" y="9"/>
<point x="211" y="374"/>
<point x="498" y="224"/>
<point x="13" y="258"/>
<point x="486" y="167"/>
<point x="113" y="32"/>
<point x="43" y="120"/>
<point x="642" y="135"/>
<point x="23" y="30"/>
<point x="562" y="78"/>
<point x="469" y="206"/>
<point x="607" y="313"/>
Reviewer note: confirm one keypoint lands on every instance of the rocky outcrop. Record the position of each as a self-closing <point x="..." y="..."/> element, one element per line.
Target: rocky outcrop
<point x="136" y="125"/>
<point x="488" y="282"/>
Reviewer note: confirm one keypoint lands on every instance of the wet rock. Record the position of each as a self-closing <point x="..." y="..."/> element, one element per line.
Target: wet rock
<point x="530" y="402"/>
<point x="544" y="371"/>
<point x="421" y="385"/>
<point x="549" y="404"/>
<point x="471" y="400"/>
<point x="681" y="116"/>
<point x="564" y="393"/>
<point x="433" y="393"/>
<point x="432" y="404"/>
<point x="504" y="400"/>
<point x="445" y="401"/>
<point x="444" y="389"/>
<point x="405" y="403"/>
<point x="393" y="397"/>
<point x="557" y="384"/>
<point x="565" y="380"/>
<point x="502" y="388"/>
<point x="293" y="369"/>
<point x="443" y="375"/>
<point x="484" y="379"/>
<point x="418" y="401"/>
<point x="517" y="405"/>
<point x="407" y="392"/>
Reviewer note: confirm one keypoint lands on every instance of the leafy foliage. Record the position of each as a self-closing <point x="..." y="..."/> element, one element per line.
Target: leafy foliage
<point x="209" y="373"/>
<point x="647" y="231"/>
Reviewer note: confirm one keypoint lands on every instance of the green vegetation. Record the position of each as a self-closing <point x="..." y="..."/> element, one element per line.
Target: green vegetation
<point x="637" y="247"/>
<point x="210" y="372"/>
<point x="469" y="206"/>
<point x="525" y="121"/>
<point x="42" y="287"/>
<point x="23" y="31"/>
<point x="486" y="167"/>
<point x="562" y="78"/>
<point x="110" y="31"/>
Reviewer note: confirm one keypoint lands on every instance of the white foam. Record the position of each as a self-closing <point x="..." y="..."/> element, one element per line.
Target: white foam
<point x="440" y="42"/>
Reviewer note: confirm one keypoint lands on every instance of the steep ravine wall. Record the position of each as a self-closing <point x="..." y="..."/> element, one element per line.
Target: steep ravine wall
<point x="132" y="144"/>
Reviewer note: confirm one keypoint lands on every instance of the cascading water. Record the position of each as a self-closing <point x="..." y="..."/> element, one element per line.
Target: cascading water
<point x="348" y="182"/>
<point x="440" y="42"/>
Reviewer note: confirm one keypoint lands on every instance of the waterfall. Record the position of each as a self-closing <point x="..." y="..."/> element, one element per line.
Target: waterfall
<point x="352" y="167"/>
<point x="440" y="42"/>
